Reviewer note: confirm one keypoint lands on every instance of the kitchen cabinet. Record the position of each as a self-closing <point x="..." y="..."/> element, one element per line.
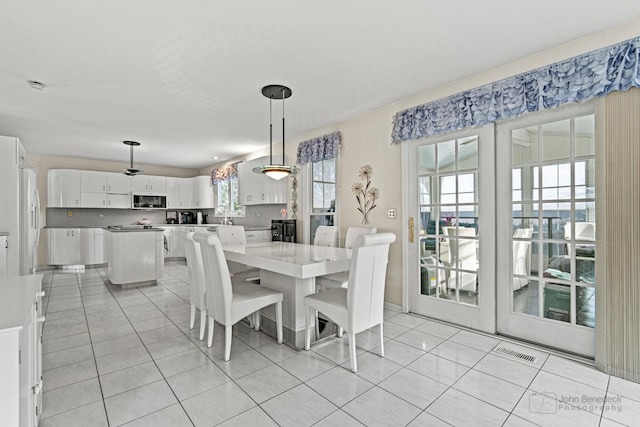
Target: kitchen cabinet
<point x="173" y="193"/>
<point x="186" y="193"/>
<point x="254" y="236"/>
<point x="258" y="189"/>
<point x="3" y="256"/>
<point x="21" y="350"/>
<point x="119" y="201"/>
<point x="149" y="184"/>
<point x="99" y="256"/>
<point x="88" y="189"/>
<point x="203" y="192"/>
<point x="72" y="246"/>
<point x="173" y="247"/>
<point x="93" y="182"/>
<point x="118" y="183"/>
<point x="63" y="188"/>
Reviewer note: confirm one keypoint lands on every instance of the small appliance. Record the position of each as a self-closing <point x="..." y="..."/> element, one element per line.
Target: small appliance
<point x="172" y="217"/>
<point x="146" y="201"/>
<point x="283" y="230"/>
<point x="187" y="218"/>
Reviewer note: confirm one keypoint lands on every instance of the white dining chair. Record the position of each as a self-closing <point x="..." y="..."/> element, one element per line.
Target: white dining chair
<point x="234" y="235"/>
<point x="228" y="303"/>
<point x="340" y="280"/>
<point x="197" y="288"/>
<point x="326" y="235"/>
<point x="360" y="306"/>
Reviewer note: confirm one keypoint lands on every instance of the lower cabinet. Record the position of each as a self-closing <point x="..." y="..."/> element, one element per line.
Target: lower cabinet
<point x="76" y="246"/>
<point x="21" y="350"/>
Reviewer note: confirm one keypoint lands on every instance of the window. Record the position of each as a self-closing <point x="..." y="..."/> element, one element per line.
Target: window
<point x="323" y="190"/>
<point x="225" y="181"/>
<point x="228" y="203"/>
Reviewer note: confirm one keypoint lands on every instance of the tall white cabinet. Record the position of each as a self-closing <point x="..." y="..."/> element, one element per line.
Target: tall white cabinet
<point x="21" y="322"/>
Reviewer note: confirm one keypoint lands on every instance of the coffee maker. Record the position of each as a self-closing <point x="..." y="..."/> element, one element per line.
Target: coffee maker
<point x="187" y="218"/>
<point x="172" y="217"/>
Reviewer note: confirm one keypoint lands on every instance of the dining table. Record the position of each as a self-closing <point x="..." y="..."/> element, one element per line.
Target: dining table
<point x="290" y="268"/>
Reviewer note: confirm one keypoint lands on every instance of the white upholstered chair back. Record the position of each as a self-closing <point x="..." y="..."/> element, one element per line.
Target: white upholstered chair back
<point x="218" y="280"/>
<point x="354" y="232"/>
<point x="230" y="235"/>
<point x="196" y="270"/>
<point x="365" y="293"/>
<point x="326" y="236"/>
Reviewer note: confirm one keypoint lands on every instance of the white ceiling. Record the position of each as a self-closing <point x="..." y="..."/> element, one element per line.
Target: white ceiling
<point x="184" y="77"/>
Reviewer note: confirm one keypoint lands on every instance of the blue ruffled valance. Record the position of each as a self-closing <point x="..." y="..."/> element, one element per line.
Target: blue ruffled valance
<point x="574" y="80"/>
<point x="224" y="173"/>
<point x="318" y="149"/>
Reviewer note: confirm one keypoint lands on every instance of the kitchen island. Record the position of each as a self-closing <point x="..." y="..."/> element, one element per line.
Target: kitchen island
<point x="135" y="255"/>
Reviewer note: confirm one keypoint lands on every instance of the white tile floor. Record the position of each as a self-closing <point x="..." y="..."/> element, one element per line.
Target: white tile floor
<point x="114" y="357"/>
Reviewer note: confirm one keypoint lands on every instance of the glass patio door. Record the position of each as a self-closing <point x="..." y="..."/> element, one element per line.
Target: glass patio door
<point x="546" y="229"/>
<point x="449" y="196"/>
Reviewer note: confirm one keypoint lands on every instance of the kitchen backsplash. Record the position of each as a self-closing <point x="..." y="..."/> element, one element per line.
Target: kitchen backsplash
<point x="256" y="215"/>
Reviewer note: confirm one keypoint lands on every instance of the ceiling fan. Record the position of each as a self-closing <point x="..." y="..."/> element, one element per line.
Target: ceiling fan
<point x="131" y="171"/>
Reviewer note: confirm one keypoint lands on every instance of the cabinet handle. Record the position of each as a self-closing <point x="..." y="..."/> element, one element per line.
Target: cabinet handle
<point x="104" y="188"/>
<point x="77" y="201"/>
<point x="109" y="188"/>
<point x="104" y="202"/>
<point x="109" y="202"/>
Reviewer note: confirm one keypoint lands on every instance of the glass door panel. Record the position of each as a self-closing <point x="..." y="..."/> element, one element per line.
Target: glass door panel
<point x="451" y="281"/>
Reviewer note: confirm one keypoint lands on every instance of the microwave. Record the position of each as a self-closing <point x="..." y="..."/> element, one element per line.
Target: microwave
<point x="146" y="201"/>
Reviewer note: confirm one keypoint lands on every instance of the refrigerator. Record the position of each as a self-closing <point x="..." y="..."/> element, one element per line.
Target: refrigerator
<point x="19" y="208"/>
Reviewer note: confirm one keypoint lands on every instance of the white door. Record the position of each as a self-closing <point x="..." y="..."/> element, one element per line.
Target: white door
<point x="93" y="200"/>
<point x="173" y="192"/>
<point x="158" y="184"/>
<point x="450" y="230"/>
<point x="546" y="228"/>
<point x="186" y="192"/>
<point x="119" y="201"/>
<point x="63" y="188"/>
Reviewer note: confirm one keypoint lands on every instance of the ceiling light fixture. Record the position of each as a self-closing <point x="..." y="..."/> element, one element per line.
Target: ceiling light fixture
<point x="36" y="85"/>
<point x="271" y="170"/>
<point x="131" y="171"/>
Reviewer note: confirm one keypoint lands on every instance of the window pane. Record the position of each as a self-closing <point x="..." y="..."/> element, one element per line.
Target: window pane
<point x="318" y="195"/>
<point x="329" y="170"/>
<point x="427" y="159"/>
<point x="468" y="153"/>
<point x="446" y="156"/>
<point x="524" y="145"/>
<point x="424" y="183"/>
<point x="556" y="140"/>
<point x="317" y="171"/>
<point x="329" y="196"/>
<point x="584" y="136"/>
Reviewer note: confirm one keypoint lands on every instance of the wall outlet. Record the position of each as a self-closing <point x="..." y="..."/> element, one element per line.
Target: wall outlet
<point x="69" y="214"/>
<point x="392" y="213"/>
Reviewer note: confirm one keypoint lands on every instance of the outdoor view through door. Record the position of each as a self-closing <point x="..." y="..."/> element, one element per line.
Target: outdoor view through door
<point x="553" y="214"/>
<point x="448" y="194"/>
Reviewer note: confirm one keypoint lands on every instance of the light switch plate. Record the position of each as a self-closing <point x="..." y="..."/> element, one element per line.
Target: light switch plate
<point x="392" y="213"/>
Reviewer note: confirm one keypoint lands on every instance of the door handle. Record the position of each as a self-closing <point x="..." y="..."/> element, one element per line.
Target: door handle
<point x="411" y="229"/>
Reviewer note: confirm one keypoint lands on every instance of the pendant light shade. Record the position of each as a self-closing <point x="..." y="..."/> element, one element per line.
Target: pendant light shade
<point x="131" y="171"/>
<point x="272" y="170"/>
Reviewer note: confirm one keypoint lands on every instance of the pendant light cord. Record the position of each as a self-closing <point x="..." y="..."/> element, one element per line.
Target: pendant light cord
<point x="283" y="97"/>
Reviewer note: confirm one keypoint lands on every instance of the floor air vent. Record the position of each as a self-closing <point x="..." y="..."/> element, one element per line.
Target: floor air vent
<point x="516" y="355"/>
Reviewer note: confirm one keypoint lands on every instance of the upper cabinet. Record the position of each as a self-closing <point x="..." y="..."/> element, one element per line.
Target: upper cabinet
<point x="149" y="184"/>
<point x="118" y="183"/>
<point x="173" y="192"/>
<point x="258" y="189"/>
<point x="185" y="186"/>
<point x="203" y="192"/>
<point x="63" y="188"/>
<point x="69" y="188"/>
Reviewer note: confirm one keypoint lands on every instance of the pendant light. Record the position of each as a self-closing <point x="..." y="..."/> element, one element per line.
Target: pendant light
<point x="272" y="170"/>
<point x="131" y="171"/>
